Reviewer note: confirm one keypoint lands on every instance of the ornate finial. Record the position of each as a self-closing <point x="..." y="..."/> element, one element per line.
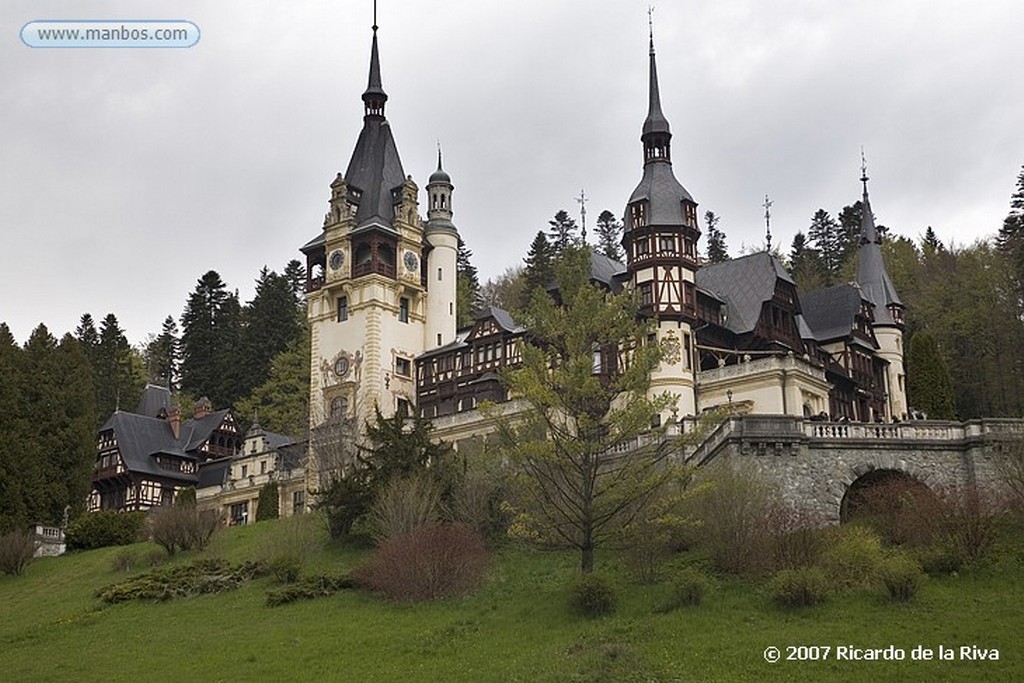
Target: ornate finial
<point x="650" y="25"/>
<point x="768" y="220"/>
<point x="439" y="155"/>
<point x="582" y="199"/>
<point x="374" y="16"/>
<point x="863" y="170"/>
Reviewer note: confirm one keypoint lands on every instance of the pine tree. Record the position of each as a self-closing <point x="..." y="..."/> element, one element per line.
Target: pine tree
<point x="539" y="263"/>
<point x="162" y="356"/>
<point x="204" y="337"/>
<point x="271" y="323"/>
<point x="929" y="387"/>
<point x="467" y="287"/>
<point x="824" y="234"/>
<point x="117" y="385"/>
<point x="609" y="236"/>
<point x="717" y="251"/>
<point x="295" y="273"/>
<point x="805" y="265"/>
<point x="573" y="491"/>
<point x="930" y="243"/>
<point x="282" y="401"/>
<point x="1010" y="239"/>
<point x="562" y="232"/>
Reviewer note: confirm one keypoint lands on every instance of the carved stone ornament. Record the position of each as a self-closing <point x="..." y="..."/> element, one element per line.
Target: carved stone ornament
<point x="670" y="345"/>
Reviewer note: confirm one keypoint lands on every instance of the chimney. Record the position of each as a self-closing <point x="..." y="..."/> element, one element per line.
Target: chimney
<point x="174" y="419"/>
<point x="203" y="408"/>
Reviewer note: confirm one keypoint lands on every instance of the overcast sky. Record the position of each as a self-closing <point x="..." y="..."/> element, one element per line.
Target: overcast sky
<point x="126" y="174"/>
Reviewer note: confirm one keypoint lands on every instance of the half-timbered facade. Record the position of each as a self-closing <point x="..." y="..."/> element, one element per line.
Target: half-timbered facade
<point x="144" y="458"/>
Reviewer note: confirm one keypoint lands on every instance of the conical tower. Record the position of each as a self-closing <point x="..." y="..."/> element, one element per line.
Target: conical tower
<point x="443" y="241"/>
<point x="877" y="288"/>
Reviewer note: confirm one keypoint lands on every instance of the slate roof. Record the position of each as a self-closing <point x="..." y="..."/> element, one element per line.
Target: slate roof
<point x="374" y="170"/>
<point x="663" y="192"/>
<point x="607" y="271"/>
<point x="195" y="432"/>
<point x="871" y="274"/>
<point x="213" y="472"/>
<point x="154" y="400"/>
<point x="829" y="313"/>
<point x="139" y="438"/>
<point x="744" y="283"/>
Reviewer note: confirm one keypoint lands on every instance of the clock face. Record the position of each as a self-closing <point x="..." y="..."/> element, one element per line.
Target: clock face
<point x="411" y="261"/>
<point x="341" y="367"/>
<point x="337" y="259"/>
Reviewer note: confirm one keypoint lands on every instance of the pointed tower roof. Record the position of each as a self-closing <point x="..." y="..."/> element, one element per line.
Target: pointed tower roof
<point x="655" y="121"/>
<point x="659" y="186"/>
<point x="439" y="189"/>
<point x="871" y="274"/>
<point x="375" y="171"/>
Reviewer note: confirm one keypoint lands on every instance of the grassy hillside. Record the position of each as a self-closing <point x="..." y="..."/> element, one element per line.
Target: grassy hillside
<point x="516" y="628"/>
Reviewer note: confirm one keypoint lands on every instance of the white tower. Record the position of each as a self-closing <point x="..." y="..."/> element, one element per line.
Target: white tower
<point x="443" y="240"/>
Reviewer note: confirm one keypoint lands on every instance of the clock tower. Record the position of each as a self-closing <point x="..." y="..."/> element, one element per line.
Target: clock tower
<point x="367" y="280"/>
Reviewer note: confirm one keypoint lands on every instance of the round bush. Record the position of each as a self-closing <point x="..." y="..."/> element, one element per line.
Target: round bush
<point x="853" y="557"/>
<point x="941" y="560"/>
<point x="902" y="577"/>
<point x="592" y="595"/>
<point x="104" y="528"/>
<point x="689" y="588"/>
<point x="801" y="587"/>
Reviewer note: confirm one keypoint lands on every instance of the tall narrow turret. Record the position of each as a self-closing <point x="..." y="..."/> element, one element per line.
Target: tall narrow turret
<point x="443" y="239"/>
<point x="877" y="288"/>
<point x="660" y="239"/>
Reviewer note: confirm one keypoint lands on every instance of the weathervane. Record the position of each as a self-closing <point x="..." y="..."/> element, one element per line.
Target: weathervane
<point x="863" y="169"/>
<point x="582" y="199"/>
<point x="768" y="220"/>
<point x="650" y="24"/>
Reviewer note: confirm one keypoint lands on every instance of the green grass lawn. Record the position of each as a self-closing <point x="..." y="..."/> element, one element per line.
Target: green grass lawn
<point x="516" y="628"/>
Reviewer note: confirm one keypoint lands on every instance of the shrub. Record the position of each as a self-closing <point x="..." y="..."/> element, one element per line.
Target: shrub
<point x="592" y="595"/>
<point x="17" y="548"/>
<point x="733" y="510"/>
<point x="288" y="545"/>
<point x="973" y="519"/>
<point x="344" y="501"/>
<point x="403" y="506"/>
<point x="900" y="509"/>
<point x="269" y="504"/>
<point x="309" y="589"/>
<point x="796" y="538"/>
<point x="197" y="578"/>
<point x="801" y="587"/>
<point x="104" y="528"/>
<point x="689" y="587"/>
<point x="182" y="528"/>
<point x="940" y="560"/>
<point x="428" y="563"/>
<point x="478" y="502"/>
<point x="852" y="557"/>
<point x="902" y="577"/>
<point x="186" y="496"/>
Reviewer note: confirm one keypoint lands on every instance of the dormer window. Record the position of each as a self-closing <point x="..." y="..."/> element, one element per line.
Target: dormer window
<point x="638" y="214"/>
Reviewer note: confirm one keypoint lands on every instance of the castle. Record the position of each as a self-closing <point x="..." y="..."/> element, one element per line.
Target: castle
<point x="816" y="376"/>
<point x="381" y="303"/>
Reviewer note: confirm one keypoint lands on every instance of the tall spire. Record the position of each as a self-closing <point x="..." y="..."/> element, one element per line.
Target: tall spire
<point x="872" y="277"/>
<point x="374" y="97"/>
<point x="656" y="133"/>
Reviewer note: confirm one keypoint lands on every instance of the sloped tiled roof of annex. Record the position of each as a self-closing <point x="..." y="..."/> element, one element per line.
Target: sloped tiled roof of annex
<point x="744" y="283"/>
<point x="154" y="399"/>
<point x="139" y="437"/>
<point x="607" y="271"/>
<point x="830" y="312"/>
<point x="195" y="432"/>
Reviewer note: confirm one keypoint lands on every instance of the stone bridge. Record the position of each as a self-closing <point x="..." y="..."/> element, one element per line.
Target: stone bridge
<point x="815" y="463"/>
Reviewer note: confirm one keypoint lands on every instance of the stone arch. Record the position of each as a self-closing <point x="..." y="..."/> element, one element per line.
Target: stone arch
<point x="849" y="473"/>
<point x="857" y="498"/>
